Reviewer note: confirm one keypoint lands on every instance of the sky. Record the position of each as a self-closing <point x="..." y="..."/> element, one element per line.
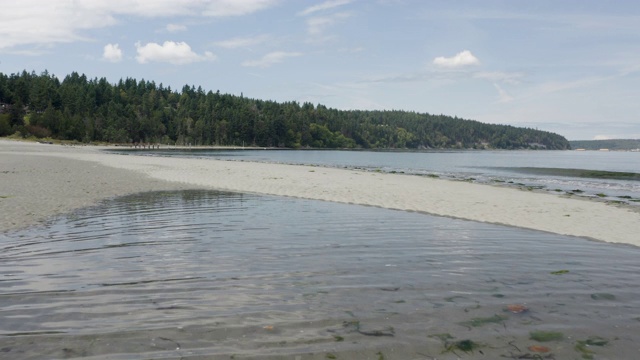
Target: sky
<point x="570" y="67"/>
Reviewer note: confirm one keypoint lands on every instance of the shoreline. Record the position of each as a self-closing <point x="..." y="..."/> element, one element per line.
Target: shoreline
<point x="39" y="181"/>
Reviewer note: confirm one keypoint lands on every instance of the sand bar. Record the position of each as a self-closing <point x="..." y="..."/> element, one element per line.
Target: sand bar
<point x="38" y="181"/>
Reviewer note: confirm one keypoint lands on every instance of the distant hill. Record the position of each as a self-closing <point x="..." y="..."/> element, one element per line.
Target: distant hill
<point x="614" y="144"/>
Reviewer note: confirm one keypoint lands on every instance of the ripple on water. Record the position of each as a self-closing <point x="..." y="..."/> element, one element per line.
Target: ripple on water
<point x="201" y="274"/>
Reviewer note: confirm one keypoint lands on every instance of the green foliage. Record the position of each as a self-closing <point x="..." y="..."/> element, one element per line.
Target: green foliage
<point x="87" y="110"/>
<point x="5" y="127"/>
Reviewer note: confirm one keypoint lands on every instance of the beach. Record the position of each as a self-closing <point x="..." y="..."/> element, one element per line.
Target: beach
<point x="40" y="181"/>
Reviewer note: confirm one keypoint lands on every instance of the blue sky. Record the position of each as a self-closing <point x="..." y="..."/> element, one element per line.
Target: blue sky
<point x="571" y="67"/>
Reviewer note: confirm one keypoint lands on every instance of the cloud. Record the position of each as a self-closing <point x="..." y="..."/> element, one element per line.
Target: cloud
<point x="172" y="28"/>
<point x="509" y="78"/>
<point x="177" y="53"/>
<point x="112" y="53"/>
<point x="242" y="42"/>
<point x="271" y="59"/>
<point x="324" y="6"/>
<point x="503" y="96"/>
<point x="219" y="8"/>
<point x="31" y="22"/>
<point x="461" y="59"/>
<point x="317" y="25"/>
<point x="45" y="23"/>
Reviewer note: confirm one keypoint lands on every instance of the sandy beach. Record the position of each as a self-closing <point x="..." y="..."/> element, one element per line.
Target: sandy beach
<point x="39" y="181"/>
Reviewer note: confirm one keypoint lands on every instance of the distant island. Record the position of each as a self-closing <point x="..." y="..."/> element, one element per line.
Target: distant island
<point x="132" y="111"/>
<point x="614" y="144"/>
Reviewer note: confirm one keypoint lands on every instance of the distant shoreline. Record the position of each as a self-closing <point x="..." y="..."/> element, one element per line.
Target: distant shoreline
<point x="42" y="180"/>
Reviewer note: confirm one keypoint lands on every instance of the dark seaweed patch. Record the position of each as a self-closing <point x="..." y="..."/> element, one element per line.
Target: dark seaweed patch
<point x="580" y="173"/>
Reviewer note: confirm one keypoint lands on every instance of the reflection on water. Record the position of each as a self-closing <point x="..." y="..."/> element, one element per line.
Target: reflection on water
<point x="208" y="275"/>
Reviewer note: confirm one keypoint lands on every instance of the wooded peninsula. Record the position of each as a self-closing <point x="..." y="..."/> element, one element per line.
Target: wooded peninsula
<point x="132" y="111"/>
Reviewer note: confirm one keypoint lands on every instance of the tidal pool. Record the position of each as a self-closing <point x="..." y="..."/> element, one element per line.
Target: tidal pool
<point x="215" y="275"/>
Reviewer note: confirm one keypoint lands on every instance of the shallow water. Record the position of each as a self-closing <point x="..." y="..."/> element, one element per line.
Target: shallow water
<point x="496" y="167"/>
<point x="212" y="275"/>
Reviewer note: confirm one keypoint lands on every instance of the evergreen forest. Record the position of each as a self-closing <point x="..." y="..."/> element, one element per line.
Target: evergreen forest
<point x="132" y="111"/>
<point x="613" y="144"/>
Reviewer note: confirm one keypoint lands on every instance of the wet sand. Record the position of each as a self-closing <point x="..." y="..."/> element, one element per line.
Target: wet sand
<point x="38" y="181"/>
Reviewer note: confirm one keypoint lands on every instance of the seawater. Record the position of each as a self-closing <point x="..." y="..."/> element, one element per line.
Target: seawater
<point x="215" y="275"/>
<point x="506" y="168"/>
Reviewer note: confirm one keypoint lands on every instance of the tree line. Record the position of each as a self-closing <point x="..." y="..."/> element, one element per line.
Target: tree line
<point x="132" y="111"/>
<point x="612" y="144"/>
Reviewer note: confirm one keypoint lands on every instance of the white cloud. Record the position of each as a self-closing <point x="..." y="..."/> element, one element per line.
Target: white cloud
<point x="324" y="6"/>
<point x="45" y="23"/>
<point x="112" y="53"/>
<point x="242" y="42"/>
<point x="509" y="78"/>
<point x="271" y="59"/>
<point x="463" y="58"/>
<point x="236" y="7"/>
<point x="31" y="22"/>
<point x="317" y="25"/>
<point x="176" y="28"/>
<point x="177" y="53"/>
<point x="503" y="96"/>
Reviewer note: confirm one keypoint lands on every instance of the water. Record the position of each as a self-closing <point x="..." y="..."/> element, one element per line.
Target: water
<point x="507" y="168"/>
<point x="212" y="275"/>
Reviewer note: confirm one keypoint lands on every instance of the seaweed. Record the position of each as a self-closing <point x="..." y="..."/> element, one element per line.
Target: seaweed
<point x="544" y="336"/>
<point x="582" y="348"/>
<point x="389" y="331"/>
<point x="603" y="296"/>
<point x="467" y="346"/>
<point x="559" y="272"/>
<point x="596" y="341"/>
<point x="580" y="173"/>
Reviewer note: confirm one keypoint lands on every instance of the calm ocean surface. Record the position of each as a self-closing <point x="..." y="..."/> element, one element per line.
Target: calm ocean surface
<point x="543" y="170"/>
<point x="214" y="275"/>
